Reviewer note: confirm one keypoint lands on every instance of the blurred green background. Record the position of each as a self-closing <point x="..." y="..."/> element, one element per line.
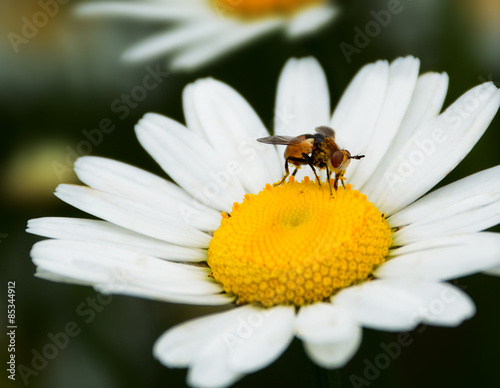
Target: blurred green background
<point x="65" y="80"/>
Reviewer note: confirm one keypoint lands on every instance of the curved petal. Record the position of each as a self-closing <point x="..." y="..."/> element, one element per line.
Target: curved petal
<point x="210" y="369"/>
<point x="148" y="189"/>
<point x="132" y="215"/>
<point x="445" y="305"/>
<point x="220" y="348"/>
<point x="444" y="257"/>
<point x="115" y="270"/>
<point x="380" y="305"/>
<point x="358" y="110"/>
<point x="403" y="73"/>
<point x="434" y="150"/>
<point x="221" y="115"/>
<point x="174" y="39"/>
<point x="193" y="57"/>
<point x="426" y="103"/>
<point x="468" y="205"/>
<point x="79" y="229"/>
<point x="264" y="336"/>
<point x="333" y="355"/>
<point x="151" y="11"/>
<point x="179" y="346"/>
<point x="494" y="271"/>
<point x="311" y="19"/>
<point x="190" y="161"/>
<point x="303" y="99"/>
<point x="205" y="346"/>
<point x="331" y="337"/>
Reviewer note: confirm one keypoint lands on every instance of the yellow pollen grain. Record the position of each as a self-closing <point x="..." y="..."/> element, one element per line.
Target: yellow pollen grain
<point x="255" y="9"/>
<point x="295" y="244"/>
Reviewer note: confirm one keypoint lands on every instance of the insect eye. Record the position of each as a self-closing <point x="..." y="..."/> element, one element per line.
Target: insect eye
<point x="337" y="158"/>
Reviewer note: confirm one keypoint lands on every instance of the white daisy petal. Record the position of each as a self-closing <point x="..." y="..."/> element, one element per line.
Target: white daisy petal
<point x="164" y="296"/>
<point x="266" y="334"/>
<point x="193" y="57"/>
<point x="190" y="161"/>
<point x="151" y="11"/>
<point x="426" y="103"/>
<point x="140" y="186"/>
<point x="444" y="257"/>
<point x="434" y="150"/>
<point x="334" y="355"/>
<point x="302" y="100"/>
<point x="358" y="110"/>
<point x="311" y="20"/>
<point x="79" y="229"/>
<point x="403" y="73"/>
<point x="330" y="335"/>
<point x="210" y="369"/>
<point x="131" y="215"/>
<point x="380" y="305"/>
<point x="239" y="341"/>
<point x="117" y="270"/>
<point x="445" y="304"/>
<point x="168" y="41"/>
<point x="179" y="346"/>
<point x="495" y="271"/>
<point x="468" y="205"/>
<point x="53" y="277"/>
<point x="217" y="112"/>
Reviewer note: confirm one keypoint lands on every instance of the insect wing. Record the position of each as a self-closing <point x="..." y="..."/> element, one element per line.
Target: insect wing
<point x="326" y="132"/>
<point x="283" y="140"/>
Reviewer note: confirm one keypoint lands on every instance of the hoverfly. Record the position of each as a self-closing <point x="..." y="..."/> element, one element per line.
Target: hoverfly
<point x="318" y="150"/>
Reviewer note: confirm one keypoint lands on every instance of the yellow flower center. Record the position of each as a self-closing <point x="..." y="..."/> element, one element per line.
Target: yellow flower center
<point x="295" y="244"/>
<point x="251" y="9"/>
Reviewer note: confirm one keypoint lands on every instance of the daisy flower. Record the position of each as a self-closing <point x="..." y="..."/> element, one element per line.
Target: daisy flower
<point x="291" y="260"/>
<point x="206" y="29"/>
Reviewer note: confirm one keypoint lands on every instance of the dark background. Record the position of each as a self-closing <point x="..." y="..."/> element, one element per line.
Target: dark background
<point x="64" y="81"/>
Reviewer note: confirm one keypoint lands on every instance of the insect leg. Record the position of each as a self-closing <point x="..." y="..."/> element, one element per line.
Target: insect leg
<point x="287" y="171"/>
<point x="336" y="182"/>
<point x="328" y="176"/>
<point x="339" y="176"/>
<point x="342" y="179"/>
<point x="309" y="161"/>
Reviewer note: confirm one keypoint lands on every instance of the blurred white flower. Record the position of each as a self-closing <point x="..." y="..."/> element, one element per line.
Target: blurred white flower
<point x="204" y="30"/>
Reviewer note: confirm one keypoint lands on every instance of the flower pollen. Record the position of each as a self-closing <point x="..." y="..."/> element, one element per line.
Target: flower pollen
<point x="253" y="9"/>
<point x="295" y="244"/>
